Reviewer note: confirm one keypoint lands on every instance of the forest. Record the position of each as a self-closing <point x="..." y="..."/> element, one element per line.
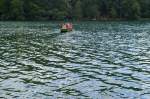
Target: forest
<point x="74" y="9"/>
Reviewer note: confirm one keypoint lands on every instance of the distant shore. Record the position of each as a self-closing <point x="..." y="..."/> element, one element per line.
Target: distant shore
<point x="101" y="19"/>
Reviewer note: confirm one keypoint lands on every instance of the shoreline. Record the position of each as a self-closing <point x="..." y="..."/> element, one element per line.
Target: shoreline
<point x="106" y="19"/>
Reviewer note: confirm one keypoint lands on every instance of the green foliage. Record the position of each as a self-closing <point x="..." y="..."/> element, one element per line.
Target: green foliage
<point x="90" y="9"/>
<point x="73" y="9"/>
<point x="5" y="9"/>
<point x="145" y="8"/>
<point x="113" y="12"/>
<point x="16" y="10"/>
<point x="131" y="9"/>
<point x="77" y="10"/>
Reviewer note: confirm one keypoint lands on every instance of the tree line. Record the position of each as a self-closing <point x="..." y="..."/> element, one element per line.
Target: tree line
<point x="73" y="9"/>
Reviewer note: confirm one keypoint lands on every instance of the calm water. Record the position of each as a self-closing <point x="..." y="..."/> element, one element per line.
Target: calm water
<point x="98" y="60"/>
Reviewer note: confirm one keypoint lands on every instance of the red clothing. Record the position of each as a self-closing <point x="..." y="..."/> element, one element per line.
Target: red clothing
<point x="67" y="26"/>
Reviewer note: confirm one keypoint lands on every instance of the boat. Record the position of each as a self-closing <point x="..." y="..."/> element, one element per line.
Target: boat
<point x="67" y="27"/>
<point x="65" y="30"/>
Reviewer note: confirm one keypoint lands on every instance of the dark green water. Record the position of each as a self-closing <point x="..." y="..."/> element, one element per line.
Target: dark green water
<point x="98" y="60"/>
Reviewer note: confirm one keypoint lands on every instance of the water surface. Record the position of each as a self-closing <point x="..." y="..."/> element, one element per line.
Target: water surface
<point x="98" y="60"/>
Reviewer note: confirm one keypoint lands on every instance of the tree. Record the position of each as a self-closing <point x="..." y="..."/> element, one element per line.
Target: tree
<point x="131" y="9"/>
<point x="1" y="7"/>
<point x="73" y="9"/>
<point x="113" y="8"/>
<point x="91" y="11"/>
<point x="62" y="9"/>
<point x="16" y="10"/>
<point x="145" y="8"/>
<point x="104" y="8"/>
<point x="113" y="12"/>
<point x="77" y="13"/>
<point x="5" y="9"/>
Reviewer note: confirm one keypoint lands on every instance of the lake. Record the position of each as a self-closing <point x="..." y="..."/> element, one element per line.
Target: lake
<point x="97" y="60"/>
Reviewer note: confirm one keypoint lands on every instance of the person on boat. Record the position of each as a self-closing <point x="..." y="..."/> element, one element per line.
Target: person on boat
<point x="64" y="26"/>
<point x="69" y="26"/>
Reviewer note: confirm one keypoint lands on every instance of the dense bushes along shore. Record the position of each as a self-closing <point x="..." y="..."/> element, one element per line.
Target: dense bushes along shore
<point x="73" y="9"/>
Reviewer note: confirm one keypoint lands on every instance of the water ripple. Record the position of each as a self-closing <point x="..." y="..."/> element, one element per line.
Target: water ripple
<point x="102" y="60"/>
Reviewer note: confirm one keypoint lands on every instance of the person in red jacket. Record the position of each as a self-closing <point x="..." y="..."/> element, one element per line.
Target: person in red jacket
<point x="69" y="26"/>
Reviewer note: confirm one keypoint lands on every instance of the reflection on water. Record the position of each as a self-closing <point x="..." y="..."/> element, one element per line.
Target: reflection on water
<point x="99" y="60"/>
